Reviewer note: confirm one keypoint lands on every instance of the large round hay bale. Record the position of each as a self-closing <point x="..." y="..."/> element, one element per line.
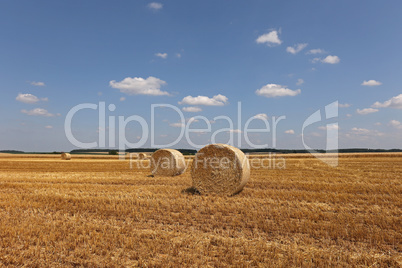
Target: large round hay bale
<point x="220" y="169"/>
<point x="167" y="162"/>
<point x="142" y="156"/>
<point x="66" y="156"/>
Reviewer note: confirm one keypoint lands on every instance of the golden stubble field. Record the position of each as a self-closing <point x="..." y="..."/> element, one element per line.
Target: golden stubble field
<point x="96" y="211"/>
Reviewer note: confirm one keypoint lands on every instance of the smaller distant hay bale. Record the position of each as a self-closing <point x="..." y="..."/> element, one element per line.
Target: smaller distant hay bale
<point x="167" y="162"/>
<point x="220" y="169"/>
<point x="133" y="156"/>
<point x="142" y="156"/>
<point x="66" y="156"/>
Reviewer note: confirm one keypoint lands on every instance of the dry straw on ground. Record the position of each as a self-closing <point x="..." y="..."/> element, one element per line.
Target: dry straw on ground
<point x="66" y="156"/>
<point x="167" y="162"/>
<point x="221" y="169"/>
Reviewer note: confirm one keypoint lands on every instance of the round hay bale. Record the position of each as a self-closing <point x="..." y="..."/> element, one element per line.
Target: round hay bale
<point x="142" y="156"/>
<point x="167" y="162"/>
<point x="133" y="156"/>
<point x="220" y="169"/>
<point x="66" y="156"/>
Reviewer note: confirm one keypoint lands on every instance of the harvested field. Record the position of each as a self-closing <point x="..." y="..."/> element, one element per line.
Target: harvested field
<point x="96" y="211"/>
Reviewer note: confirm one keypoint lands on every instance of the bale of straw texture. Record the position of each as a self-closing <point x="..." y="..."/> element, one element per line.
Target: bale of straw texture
<point x="66" y="156"/>
<point x="167" y="162"/>
<point x="142" y="156"/>
<point x="220" y="169"/>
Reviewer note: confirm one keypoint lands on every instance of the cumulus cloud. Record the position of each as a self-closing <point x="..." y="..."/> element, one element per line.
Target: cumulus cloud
<point x="261" y="116"/>
<point x="316" y="51"/>
<point x="343" y="105"/>
<point x="161" y="55"/>
<point x="235" y="131"/>
<point x="155" y="6"/>
<point x="192" y="120"/>
<point x="274" y="90"/>
<point x="140" y="86"/>
<point x="371" y="83"/>
<point x="181" y="125"/>
<point x="395" y="124"/>
<point x="290" y="131"/>
<point x="217" y="100"/>
<point x="192" y="109"/>
<point x="365" y="132"/>
<point x="331" y="59"/>
<point x="329" y="127"/>
<point x="328" y="59"/>
<point x="299" y="82"/>
<point x="27" y="98"/>
<point x="38" y="84"/>
<point x="366" y="111"/>
<point x="296" y="48"/>
<point x="37" y="112"/>
<point x="271" y="38"/>
<point x="360" y="130"/>
<point x="394" y="102"/>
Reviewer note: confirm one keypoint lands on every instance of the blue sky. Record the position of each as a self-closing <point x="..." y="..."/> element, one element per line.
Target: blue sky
<point x="278" y="58"/>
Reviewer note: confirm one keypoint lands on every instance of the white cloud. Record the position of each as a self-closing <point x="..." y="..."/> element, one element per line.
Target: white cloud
<point x="371" y="83"/>
<point x="235" y="131"/>
<point x="192" y="120"/>
<point x="161" y="55"/>
<point x="27" y="98"/>
<point x="395" y="124"/>
<point x="261" y="116"/>
<point x="365" y="132"/>
<point x="315" y="60"/>
<point x="217" y="100"/>
<point x="343" y="105"/>
<point x="299" y="82"/>
<point x="274" y="90"/>
<point x="37" y="112"/>
<point x="192" y="109"/>
<point x="378" y="124"/>
<point x="331" y="59"/>
<point x="329" y="127"/>
<point x="38" y="84"/>
<point x="49" y="127"/>
<point x="155" y="6"/>
<point x="394" y="102"/>
<point x="178" y="55"/>
<point x="316" y="51"/>
<point x="296" y="48"/>
<point x="177" y="125"/>
<point x="290" y="131"/>
<point x="122" y="98"/>
<point x="366" y="111"/>
<point x="360" y="130"/>
<point x="140" y="86"/>
<point x="270" y="38"/>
